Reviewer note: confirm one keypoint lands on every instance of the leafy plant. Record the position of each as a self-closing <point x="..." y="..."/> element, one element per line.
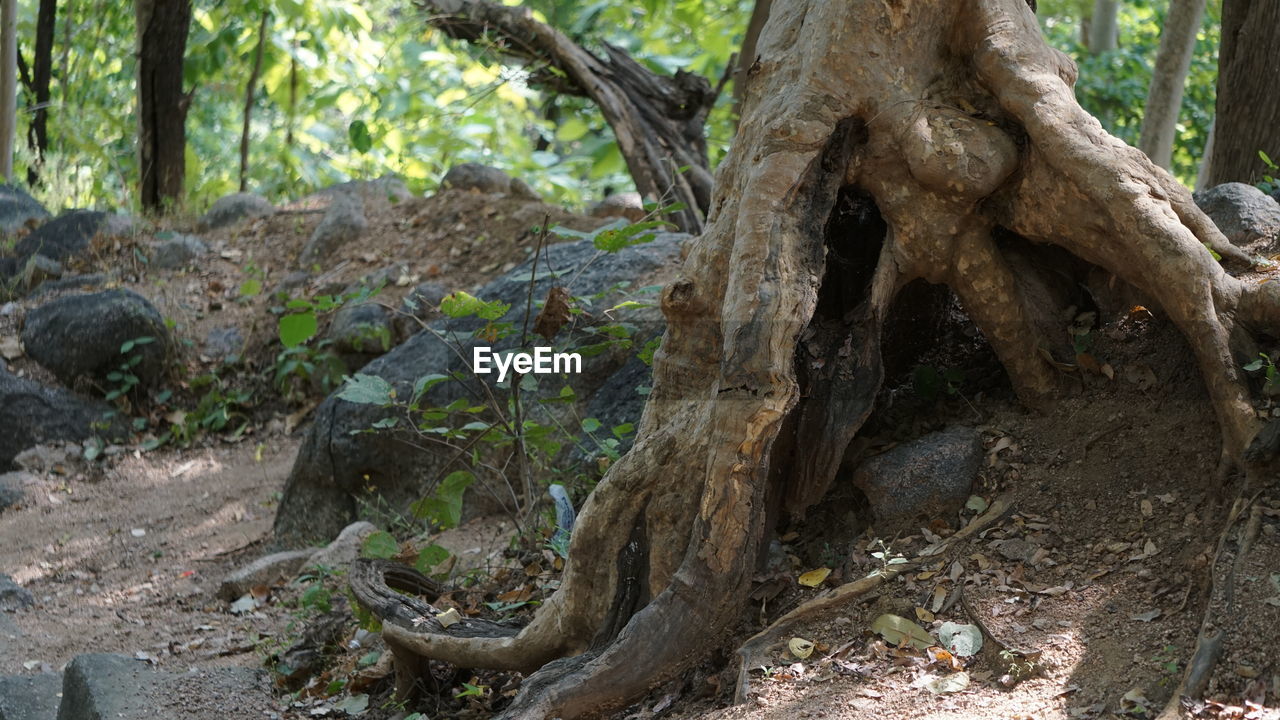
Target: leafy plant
<point x="1269" y="184"/>
<point x="1270" y="374"/>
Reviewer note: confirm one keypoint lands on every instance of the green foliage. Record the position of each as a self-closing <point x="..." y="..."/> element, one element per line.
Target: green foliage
<point x="443" y="508"/>
<point x="379" y="544"/>
<point x="1269" y="182"/>
<point x="1113" y="85"/>
<point x="1266" y="365"/>
<point x="931" y="383"/>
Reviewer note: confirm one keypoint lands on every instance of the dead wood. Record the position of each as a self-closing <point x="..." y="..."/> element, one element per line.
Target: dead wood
<point x="657" y="120"/>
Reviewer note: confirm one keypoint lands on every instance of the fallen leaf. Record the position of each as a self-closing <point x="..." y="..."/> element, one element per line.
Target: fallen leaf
<point x="814" y="578"/>
<point x="1147" y="616"/>
<point x="923" y="615"/>
<point x="962" y="639"/>
<point x="948" y="683"/>
<point x="976" y="503"/>
<point x="1146" y="508"/>
<point x="10" y="347"/>
<point x="246" y="604"/>
<point x="900" y="631"/>
<point x="448" y="617"/>
<point x="353" y="705"/>
<point x="800" y="647"/>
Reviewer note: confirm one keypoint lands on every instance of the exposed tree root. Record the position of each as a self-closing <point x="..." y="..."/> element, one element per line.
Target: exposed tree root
<point x="959" y="124"/>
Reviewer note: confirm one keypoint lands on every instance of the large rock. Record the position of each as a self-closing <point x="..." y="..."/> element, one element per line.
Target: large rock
<point x="116" y="687"/>
<point x="30" y="697"/>
<point x="13" y="596"/>
<point x="1247" y="216"/>
<point x="65" y="236"/>
<point x="343" y="223"/>
<point x="13" y="488"/>
<point x="270" y="570"/>
<point x="234" y="208"/>
<point x="388" y="188"/>
<point x="363" y="329"/>
<point x="485" y="179"/>
<point x="919" y="480"/>
<point x="32" y="414"/>
<point x="177" y="251"/>
<point x="82" y="336"/>
<point x="17" y="208"/>
<point x="336" y="464"/>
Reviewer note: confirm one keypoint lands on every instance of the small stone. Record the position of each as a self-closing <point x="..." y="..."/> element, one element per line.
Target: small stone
<point x="13" y="596"/>
<point x="232" y="208"/>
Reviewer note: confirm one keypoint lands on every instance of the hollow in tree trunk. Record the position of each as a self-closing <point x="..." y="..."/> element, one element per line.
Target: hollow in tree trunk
<point x="957" y="122"/>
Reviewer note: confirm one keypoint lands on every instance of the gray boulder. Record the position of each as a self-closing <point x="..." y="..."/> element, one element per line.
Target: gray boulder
<point x="82" y="336"/>
<point x="30" y="697"/>
<point x="16" y="208"/>
<point x="362" y="329"/>
<point x="32" y="414"/>
<point x="388" y="188"/>
<point x="485" y="179"/>
<point x="1247" y="216"/>
<point x="233" y="208"/>
<point x="13" y="596"/>
<point x="419" y="305"/>
<point x="336" y="464"/>
<point x="223" y="344"/>
<point x="177" y="251"/>
<point x="65" y="236"/>
<point x="11" y="492"/>
<point x="117" y="687"/>
<point x="928" y="477"/>
<point x="274" y="569"/>
<point x="343" y="223"/>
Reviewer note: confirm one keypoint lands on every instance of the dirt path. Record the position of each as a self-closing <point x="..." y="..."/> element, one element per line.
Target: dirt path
<point x="131" y="563"/>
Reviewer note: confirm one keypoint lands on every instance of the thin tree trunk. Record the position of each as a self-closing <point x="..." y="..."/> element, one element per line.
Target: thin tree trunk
<point x="1206" y="157"/>
<point x="41" y="79"/>
<point x="8" y="85"/>
<point x="162" y="104"/>
<point x="747" y="56"/>
<point x="1248" y="91"/>
<point x="249" y="89"/>
<point x="1104" y="33"/>
<point x="1164" y="98"/>
<point x="293" y="94"/>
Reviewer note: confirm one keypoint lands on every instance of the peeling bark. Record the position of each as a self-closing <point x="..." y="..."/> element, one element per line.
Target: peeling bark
<point x="956" y="121"/>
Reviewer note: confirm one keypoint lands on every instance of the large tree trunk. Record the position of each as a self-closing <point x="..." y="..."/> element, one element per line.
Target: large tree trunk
<point x="951" y="120"/>
<point x="1164" y="97"/>
<point x="1248" y="91"/>
<point x="162" y="104"/>
<point x="41" y="80"/>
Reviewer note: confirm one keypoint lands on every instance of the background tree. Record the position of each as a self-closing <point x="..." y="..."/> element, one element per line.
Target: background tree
<point x="162" y="104"/>
<point x="1248" y="91"/>
<point x="39" y="89"/>
<point x="948" y="124"/>
<point x="1104" y="31"/>
<point x="8" y="85"/>
<point x="1164" y="100"/>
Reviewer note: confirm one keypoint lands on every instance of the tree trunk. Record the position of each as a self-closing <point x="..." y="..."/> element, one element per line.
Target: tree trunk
<point x="8" y="85"/>
<point x="946" y="122"/>
<point x="41" y="79"/>
<point x="1164" y="97"/>
<point x="1206" y="157"/>
<point x="249" y="88"/>
<point x="1104" y="32"/>
<point x="162" y="104"/>
<point x="747" y="55"/>
<point x="1248" y="91"/>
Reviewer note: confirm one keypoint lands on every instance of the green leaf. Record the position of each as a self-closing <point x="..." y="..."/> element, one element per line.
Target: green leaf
<point x="250" y="288"/>
<point x="361" y="140"/>
<point x="429" y="557"/>
<point x="380" y="544"/>
<point x="367" y="390"/>
<point x="590" y="425"/>
<point x="297" y="328"/>
<point x="462" y="304"/>
<point x="444" y="506"/>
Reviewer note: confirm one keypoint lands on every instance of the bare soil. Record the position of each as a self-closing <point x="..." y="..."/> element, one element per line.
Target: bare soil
<point x="1102" y="568"/>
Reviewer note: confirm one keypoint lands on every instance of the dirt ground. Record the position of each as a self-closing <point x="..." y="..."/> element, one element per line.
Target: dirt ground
<point x="1099" y="574"/>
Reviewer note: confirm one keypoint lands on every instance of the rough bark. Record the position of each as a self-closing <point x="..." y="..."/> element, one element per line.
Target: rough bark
<point x="162" y="105"/>
<point x="1248" y="91"/>
<point x="8" y="85"/>
<point x="41" y="79"/>
<point x="1164" y="97"/>
<point x="657" y="120"/>
<point x="956" y="122"/>
<point x="747" y="55"/>
<point x="250" y="87"/>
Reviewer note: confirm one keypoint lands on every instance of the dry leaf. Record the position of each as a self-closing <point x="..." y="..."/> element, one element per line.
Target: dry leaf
<point x="900" y="631"/>
<point x="555" y="313"/>
<point x="448" y="617"/>
<point x="1146" y="508"/>
<point x="814" y="578"/>
<point x="800" y="647"/>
